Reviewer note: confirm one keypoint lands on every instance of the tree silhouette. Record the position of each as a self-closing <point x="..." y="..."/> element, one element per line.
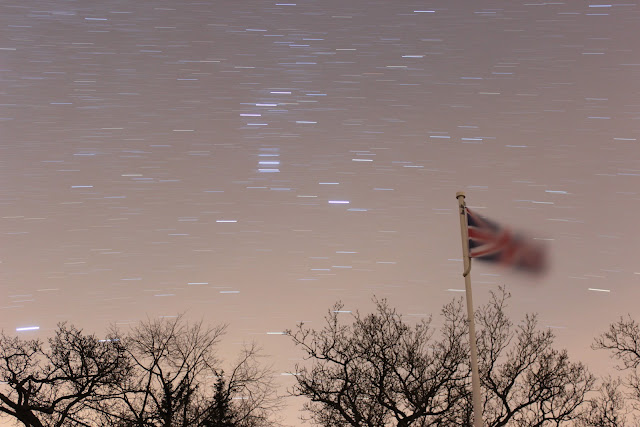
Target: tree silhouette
<point x="171" y="383"/>
<point x="607" y="408"/>
<point x="524" y="380"/>
<point x="56" y="385"/>
<point x="369" y="370"/>
<point x="220" y="414"/>
<point x="380" y="371"/>
<point x="246" y="396"/>
<point x="620" y="397"/>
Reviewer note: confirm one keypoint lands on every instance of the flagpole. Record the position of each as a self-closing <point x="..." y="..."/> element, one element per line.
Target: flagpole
<point x="475" y="377"/>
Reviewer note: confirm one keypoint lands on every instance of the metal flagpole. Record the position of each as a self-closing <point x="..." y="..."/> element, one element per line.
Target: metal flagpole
<point x="475" y="377"/>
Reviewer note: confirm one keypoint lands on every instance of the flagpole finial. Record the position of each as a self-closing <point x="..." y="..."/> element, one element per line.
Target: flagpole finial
<point x="459" y="193"/>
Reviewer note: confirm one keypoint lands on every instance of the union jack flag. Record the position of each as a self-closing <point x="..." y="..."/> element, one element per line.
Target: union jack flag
<point x="489" y="241"/>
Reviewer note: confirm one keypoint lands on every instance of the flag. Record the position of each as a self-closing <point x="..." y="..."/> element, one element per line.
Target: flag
<point x="489" y="241"/>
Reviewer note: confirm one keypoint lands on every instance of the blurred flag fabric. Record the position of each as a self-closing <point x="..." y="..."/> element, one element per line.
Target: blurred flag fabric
<point x="490" y="241"/>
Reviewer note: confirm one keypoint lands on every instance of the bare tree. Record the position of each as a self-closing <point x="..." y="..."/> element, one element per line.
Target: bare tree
<point x="607" y="408"/>
<point x="617" y="404"/>
<point x="623" y="341"/>
<point x="524" y="380"/>
<point x="380" y="370"/>
<point x="55" y="385"/>
<point x="246" y="397"/>
<point x="176" y="377"/>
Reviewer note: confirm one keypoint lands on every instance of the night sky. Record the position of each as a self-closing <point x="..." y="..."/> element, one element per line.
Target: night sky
<point x="252" y="162"/>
